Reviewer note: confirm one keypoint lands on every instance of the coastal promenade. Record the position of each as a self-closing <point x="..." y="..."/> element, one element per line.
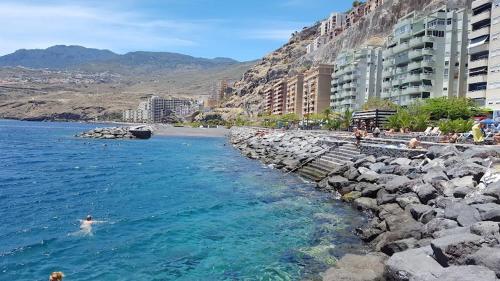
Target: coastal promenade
<point x="435" y="211"/>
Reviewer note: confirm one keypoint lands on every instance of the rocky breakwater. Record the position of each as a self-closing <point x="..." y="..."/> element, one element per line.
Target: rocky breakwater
<point x="282" y="150"/>
<point x="434" y="216"/>
<point x="108" y="133"/>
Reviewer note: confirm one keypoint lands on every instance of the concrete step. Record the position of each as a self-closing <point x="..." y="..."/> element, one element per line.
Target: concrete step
<point x="311" y="174"/>
<point x="320" y="166"/>
<point x="328" y="163"/>
<point x="348" y="154"/>
<point x="334" y="160"/>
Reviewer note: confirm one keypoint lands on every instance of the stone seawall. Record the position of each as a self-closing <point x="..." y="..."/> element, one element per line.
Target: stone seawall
<point x="434" y="214"/>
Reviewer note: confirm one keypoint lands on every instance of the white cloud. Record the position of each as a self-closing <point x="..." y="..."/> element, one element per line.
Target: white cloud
<point x="31" y="26"/>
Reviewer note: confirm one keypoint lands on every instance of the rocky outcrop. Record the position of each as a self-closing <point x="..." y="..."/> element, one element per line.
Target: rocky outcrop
<point x="439" y="220"/>
<point x="108" y="133"/>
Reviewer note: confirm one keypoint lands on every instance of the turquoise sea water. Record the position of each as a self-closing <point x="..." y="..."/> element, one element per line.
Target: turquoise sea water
<point x="175" y="208"/>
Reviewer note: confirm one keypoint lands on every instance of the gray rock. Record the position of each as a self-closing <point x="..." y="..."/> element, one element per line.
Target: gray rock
<point x="398" y="184"/>
<point x="438" y="224"/>
<point x="408" y="265"/>
<point x="488" y="257"/>
<point x="399" y="246"/>
<point x="357" y="268"/>
<point x="399" y="222"/>
<point x="461" y="170"/>
<point x="441" y="150"/>
<point x="485" y="228"/>
<point x="383" y="197"/>
<point x="417" y="210"/>
<point x="369" y="232"/>
<point x="489" y="211"/>
<point x="370" y="190"/>
<point x="463" y="213"/>
<point x="451" y="231"/>
<point x="339" y="170"/>
<point x="376" y="167"/>
<point x="401" y="162"/>
<point x="352" y="173"/>
<point x="367" y="175"/>
<point x="368" y="159"/>
<point x="407" y="198"/>
<point x="338" y="182"/>
<point x="426" y="192"/>
<point x="434" y="175"/>
<point x="479" y="199"/>
<point x="366" y="204"/>
<point x="493" y="189"/>
<point x="453" y="249"/>
<point x="466" y="273"/>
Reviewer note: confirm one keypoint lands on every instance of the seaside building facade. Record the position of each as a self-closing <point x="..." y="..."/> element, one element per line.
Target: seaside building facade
<point x="279" y="97"/>
<point x="155" y="109"/>
<point x="316" y="90"/>
<point x="424" y="57"/>
<point x="268" y="100"/>
<point x="357" y="77"/>
<point x="294" y="91"/>
<point x="484" y="54"/>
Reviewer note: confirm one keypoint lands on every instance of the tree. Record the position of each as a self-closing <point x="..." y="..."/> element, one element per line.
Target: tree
<point x="347" y="118"/>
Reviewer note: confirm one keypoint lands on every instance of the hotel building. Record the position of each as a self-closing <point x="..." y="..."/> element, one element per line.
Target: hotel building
<point x="424" y="57"/>
<point x="316" y="91"/>
<point x="279" y="97"/>
<point x="295" y="86"/>
<point x="357" y="77"/>
<point x="268" y="100"/>
<point x="484" y="54"/>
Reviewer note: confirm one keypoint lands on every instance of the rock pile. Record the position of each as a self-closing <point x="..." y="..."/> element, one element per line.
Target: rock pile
<point x="108" y="133"/>
<point x="433" y="217"/>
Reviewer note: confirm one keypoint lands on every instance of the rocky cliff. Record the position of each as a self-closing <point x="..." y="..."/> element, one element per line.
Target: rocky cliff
<point x="292" y="58"/>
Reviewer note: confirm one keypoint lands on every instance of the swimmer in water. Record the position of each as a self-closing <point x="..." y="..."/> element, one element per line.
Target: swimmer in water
<point x="86" y="225"/>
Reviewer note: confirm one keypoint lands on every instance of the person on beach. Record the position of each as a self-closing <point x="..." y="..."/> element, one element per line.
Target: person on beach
<point x="358" y="134"/>
<point x="56" y="276"/>
<point x="414" y="143"/>
<point x="478" y="133"/>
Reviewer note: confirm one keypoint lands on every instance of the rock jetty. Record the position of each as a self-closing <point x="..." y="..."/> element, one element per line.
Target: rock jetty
<point x="108" y="133"/>
<point x="433" y="216"/>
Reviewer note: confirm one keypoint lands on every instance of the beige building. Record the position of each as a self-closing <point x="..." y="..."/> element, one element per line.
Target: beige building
<point x="316" y="93"/>
<point x="295" y="88"/>
<point x="484" y="55"/>
<point x="279" y="97"/>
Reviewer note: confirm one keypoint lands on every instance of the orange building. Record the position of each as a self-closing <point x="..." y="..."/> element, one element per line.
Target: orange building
<point x="317" y="88"/>
<point x="279" y="97"/>
<point x="294" y="91"/>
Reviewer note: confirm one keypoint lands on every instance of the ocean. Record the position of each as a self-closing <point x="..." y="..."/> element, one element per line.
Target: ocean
<point x="170" y="208"/>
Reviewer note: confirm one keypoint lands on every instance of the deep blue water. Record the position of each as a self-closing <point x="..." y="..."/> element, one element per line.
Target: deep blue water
<point x="175" y="208"/>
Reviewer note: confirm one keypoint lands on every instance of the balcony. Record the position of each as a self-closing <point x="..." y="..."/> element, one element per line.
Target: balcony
<point x="416" y="89"/>
<point x="479" y="3"/>
<point x="480" y="94"/>
<point x="480" y="32"/>
<point x="478" y="63"/>
<point x="387" y="52"/>
<point x="477" y="79"/>
<point x="419" y="41"/>
<point x="401" y="47"/>
<point x="479" y="17"/>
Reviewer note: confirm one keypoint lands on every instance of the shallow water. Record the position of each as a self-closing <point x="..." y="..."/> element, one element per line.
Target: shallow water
<point x="175" y="208"/>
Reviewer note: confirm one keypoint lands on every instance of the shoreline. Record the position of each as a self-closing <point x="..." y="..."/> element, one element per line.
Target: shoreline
<point x="171" y="131"/>
<point x="438" y="206"/>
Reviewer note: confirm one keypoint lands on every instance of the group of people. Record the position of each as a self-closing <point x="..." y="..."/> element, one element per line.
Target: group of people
<point x="479" y="133"/>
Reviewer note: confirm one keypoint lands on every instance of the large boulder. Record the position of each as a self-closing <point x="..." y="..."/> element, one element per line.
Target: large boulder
<point x="461" y="170"/>
<point x="434" y="175"/>
<point x="454" y="249"/>
<point x="401" y="162"/>
<point x="399" y="246"/>
<point x="370" y="190"/>
<point x="376" y="167"/>
<point x="425" y="192"/>
<point x="438" y="224"/>
<point x="399" y="184"/>
<point x="367" y="175"/>
<point x="383" y="197"/>
<point x="465" y="273"/>
<point x="407" y="198"/>
<point x="442" y="150"/>
<point x="489" y="211"/>
<point x="412" y="265"/>
<point x="369" y="267"/>
<point x="338" y="182"/>
<point x="493" y="189"/>
<point x="352" y="173"/>
<point x="485" y="228"/>
<point x="488" y="257"/>
<point x="464" y="214"/>
<point x="366" y="204"/>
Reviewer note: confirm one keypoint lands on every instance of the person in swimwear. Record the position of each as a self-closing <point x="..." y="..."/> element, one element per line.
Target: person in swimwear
<point x="86" y="224"/>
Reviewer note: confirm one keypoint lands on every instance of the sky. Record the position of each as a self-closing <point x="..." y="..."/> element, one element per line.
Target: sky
<point x="239" y="29"/>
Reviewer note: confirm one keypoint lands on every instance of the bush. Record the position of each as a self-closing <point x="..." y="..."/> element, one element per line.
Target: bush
<point x="455" y="126"/>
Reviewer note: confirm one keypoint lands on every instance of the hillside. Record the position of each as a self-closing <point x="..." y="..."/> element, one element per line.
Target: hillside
<point x="77" y="83"/>
<point x="292" y="57"/>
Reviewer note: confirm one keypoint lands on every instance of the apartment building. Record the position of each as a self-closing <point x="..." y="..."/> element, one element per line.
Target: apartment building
<point x="279" y="97"/>
<point x="424" y="58"/>
<point x="332" y="26"/>
<point x="357" y="77"/>
<point x="156" y="108"/>
<point x="355" y="14"/>
<point x="371" y="5"/>
<point x="294" y="91"/>
<point x="316" y="90"/>
<point x="484" y="54"/>
<point x="268" y="99"/>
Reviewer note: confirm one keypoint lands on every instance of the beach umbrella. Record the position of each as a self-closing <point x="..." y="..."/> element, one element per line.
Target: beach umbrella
<point x="488" y="121"/>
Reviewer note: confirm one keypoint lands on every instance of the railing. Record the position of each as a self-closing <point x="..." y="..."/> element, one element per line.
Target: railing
<point x="310" y="160"/>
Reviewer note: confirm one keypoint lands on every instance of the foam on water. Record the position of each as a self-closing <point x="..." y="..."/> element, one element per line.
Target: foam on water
<point x="177" y="209"/>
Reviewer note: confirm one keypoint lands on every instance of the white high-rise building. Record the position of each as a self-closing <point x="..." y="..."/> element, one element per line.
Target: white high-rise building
<point x="425" y="57"/>
<point x="357" y="77"/>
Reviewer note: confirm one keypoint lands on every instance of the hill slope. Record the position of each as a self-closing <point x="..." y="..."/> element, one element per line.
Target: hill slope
<point x="292" y="57"/>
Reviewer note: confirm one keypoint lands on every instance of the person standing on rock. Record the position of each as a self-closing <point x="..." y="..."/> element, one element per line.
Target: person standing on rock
<point x="358" y="134"/>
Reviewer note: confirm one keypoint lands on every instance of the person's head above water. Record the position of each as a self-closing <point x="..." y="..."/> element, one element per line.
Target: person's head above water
<point x="89" y="217"/>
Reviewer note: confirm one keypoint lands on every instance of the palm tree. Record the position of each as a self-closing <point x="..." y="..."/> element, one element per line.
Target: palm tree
<point x="347" y="118"/>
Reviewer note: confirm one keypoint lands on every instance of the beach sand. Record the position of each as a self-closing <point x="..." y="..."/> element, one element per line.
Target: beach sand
<point x="168" y="130"/>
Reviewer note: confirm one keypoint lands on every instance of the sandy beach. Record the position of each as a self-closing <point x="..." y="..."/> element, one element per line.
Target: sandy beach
<point x="168" y="130"/>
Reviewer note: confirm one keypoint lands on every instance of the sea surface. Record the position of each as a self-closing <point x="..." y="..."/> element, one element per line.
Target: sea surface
<point x="171" y="208"/>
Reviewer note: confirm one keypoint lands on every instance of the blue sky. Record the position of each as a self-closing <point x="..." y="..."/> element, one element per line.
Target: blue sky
<point x="240" y="29"/>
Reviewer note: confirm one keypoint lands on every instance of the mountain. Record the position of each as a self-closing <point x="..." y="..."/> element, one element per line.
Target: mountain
<point x="292" y="58"/>
<point x="63" y="57"/>
<point x="55" y="57"/>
